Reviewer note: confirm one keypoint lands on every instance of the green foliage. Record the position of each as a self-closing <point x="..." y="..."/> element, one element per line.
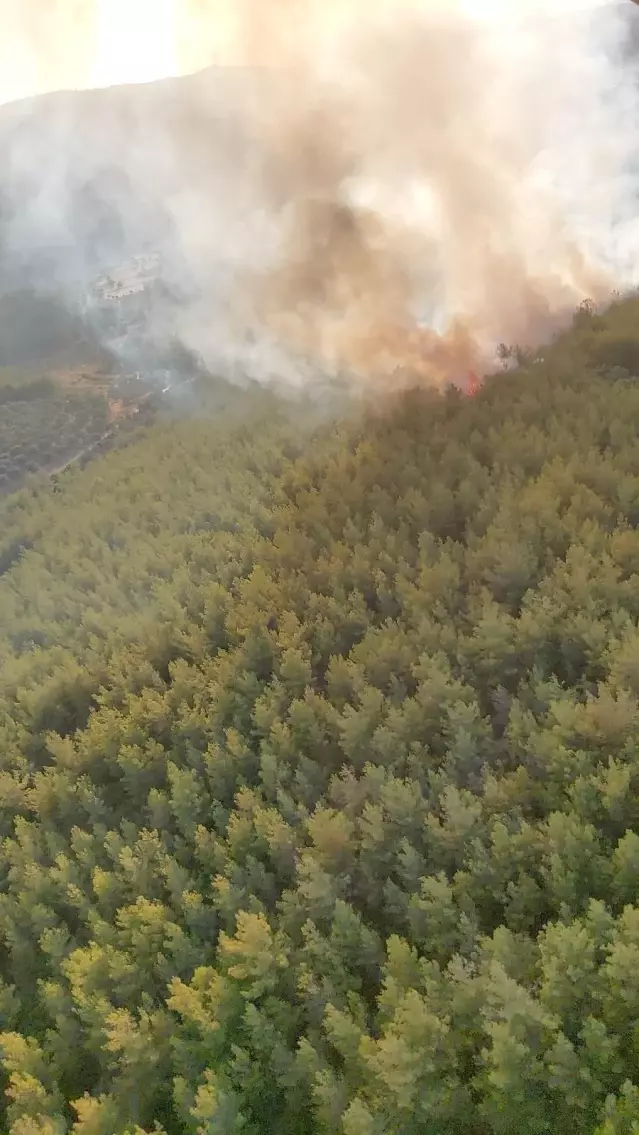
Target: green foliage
<point x="319" y="769"/>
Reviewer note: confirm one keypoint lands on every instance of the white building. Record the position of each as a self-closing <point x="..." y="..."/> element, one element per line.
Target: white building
<point x="129" y="279"/>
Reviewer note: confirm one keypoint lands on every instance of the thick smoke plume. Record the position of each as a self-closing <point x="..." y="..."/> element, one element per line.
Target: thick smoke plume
<point x="430" y="184"/>
<point x="381" y="188"/>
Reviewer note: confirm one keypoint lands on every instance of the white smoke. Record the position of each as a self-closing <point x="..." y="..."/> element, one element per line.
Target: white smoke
<point x="399" y="184"/>
<point x="493" y="151"/>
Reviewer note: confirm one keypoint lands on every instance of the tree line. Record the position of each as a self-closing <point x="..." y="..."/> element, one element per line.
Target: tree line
<point x="319" y="768"/>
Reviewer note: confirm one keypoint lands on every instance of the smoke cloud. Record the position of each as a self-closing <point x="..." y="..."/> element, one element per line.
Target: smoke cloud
<point x="375" y="189"/>
<point x="432" y="182"/>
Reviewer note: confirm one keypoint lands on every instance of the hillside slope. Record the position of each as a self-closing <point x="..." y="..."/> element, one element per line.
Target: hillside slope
<point x="319" y="775"/>
<point x="91" y="177"/>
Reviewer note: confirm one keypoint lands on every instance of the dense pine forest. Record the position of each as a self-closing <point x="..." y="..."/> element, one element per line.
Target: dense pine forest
<point x="319" y="790"/>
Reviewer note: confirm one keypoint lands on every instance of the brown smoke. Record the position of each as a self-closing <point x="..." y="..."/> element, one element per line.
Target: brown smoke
<point x="394" y="187"/>
<point x="418" y="100"/>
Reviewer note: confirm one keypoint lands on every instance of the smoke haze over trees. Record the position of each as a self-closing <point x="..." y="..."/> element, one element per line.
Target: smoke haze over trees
<point x="363" y="190"/>
<point x="319" y="714"/>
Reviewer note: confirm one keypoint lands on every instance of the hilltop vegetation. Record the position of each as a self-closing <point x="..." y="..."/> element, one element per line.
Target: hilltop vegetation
<point x="39" y="328"/>
<point x="320" y="768"/>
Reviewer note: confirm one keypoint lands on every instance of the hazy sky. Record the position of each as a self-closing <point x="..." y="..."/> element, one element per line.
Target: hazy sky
<point x="52" y="44"/>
